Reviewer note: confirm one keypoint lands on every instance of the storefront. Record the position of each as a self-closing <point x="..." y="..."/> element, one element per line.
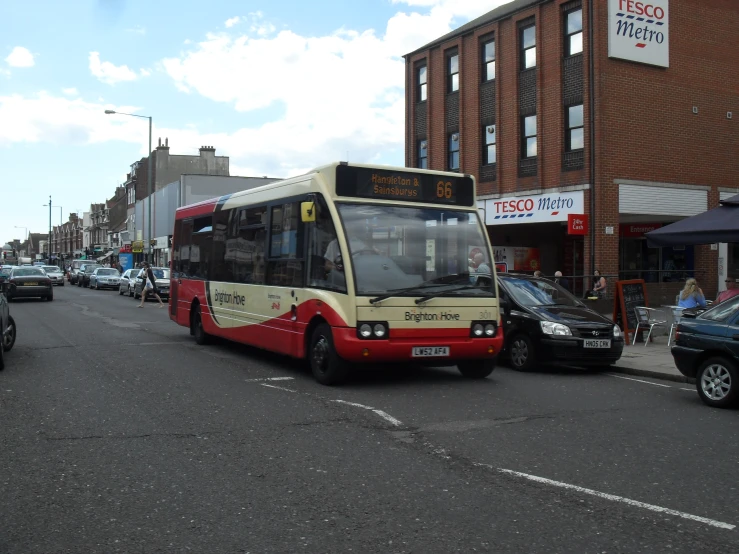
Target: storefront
<point x="638" y="261"/>
<point x="538" y="231"/>
<point x="161" y="251"/>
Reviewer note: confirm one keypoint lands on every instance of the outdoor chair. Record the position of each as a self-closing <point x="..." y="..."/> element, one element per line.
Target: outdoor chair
<point x="644" y="319"/>
<point x="677" y="313"/>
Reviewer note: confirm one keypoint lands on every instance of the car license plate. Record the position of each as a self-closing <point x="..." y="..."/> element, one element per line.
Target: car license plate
<point x="430" y="351"/>
<point x="597" y="343"/>
<point x="30" y="284"/>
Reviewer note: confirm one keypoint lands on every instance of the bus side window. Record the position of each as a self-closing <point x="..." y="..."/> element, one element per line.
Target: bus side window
<point x="201" y="247"/>
<point x="184" y="248"/>
<point x="285" y="267"/>
<point x="321" y="240"/>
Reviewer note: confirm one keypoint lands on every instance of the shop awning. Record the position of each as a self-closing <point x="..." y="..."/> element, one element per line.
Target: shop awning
<point x="107" y="255"/>
<point x="717" y="225"/>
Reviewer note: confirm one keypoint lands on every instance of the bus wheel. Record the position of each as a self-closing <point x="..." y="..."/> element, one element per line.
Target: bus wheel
<point x="201" y="337"/>
<point x="328" y="368"/>
<point x="476" y="369"/>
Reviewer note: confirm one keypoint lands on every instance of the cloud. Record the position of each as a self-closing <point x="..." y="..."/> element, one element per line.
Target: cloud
<point x="70" y="91"/>
<point x="111" y="74"/>
<point x="138" y="30"/>
<point x="232" y="21"/>
<point x="20" y="57"/>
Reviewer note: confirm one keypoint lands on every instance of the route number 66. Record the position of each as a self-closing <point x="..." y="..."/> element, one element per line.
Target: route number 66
<point x="444" y="189"/>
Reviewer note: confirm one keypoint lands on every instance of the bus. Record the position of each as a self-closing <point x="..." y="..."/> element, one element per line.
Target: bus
<point x="347" y="264"/>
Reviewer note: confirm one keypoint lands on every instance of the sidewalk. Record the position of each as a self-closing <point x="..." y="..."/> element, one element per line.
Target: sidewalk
<point x="653" y="360"/>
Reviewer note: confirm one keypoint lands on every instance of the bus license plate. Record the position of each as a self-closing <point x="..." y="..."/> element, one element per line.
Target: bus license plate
<point x="597" y="343"/>
<point x="430" y="351"/>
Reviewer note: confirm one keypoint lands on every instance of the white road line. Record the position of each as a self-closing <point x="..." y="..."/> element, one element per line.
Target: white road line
<point x="638" y="380"/>
<point x="613" y="497"/>
<point x="259" y="380"/>
<point x="388" y="417"/>
<point x="276" y="387"/>
<point x="689" y="390"/>
<point x="384" y="415"/>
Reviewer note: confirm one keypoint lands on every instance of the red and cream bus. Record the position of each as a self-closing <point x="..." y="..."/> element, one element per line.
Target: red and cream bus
<point x="348" y="263"/>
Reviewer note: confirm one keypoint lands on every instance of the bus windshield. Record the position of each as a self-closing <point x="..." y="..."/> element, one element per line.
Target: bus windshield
<point x="396" y="247"/>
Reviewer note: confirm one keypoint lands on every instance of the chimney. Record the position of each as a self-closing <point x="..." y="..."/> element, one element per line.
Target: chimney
<point x="166" y="144"/>
<point x="160" y="142"/>
<point x="207" y="149"/>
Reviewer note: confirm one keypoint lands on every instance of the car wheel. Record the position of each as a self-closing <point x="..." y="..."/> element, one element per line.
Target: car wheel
<point x="97" y="286"/>
<point x="9" y="338"/>
<point x="521" y="353"/>
<point x="201" y="337"/>
<point x="717" y="382"/>
<point x="120" y="291"/>
<point x="327" y="367"/>
<point x="50" y="297"/>
<point x="476" y="369"/>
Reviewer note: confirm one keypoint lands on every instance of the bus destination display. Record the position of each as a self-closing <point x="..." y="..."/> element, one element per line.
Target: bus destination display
<point x="404" y="186"/>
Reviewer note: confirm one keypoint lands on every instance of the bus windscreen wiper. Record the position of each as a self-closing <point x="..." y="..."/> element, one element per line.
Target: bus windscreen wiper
<point x="441" y="292"/>
<point x="438" y="282"/>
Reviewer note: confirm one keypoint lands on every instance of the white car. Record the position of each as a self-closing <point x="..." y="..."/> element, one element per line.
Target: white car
<point x="105" y="278"/>
<point x="127" y="279"/>
<point x="55" y="274"/>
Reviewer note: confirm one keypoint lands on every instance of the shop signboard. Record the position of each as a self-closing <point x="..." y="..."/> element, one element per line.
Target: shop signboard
<point x="126" y="261"/>
<point x="161" y="243"/>
<point x="577" y="224"/>
<point x="540" y="208"/>
<point x="137" y="247"/>
<point x="638" y="31"/>
<point x="637" y="230"/>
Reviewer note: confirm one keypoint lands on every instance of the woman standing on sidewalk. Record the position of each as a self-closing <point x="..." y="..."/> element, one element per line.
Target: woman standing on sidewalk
<point x="692" y="295"/>
<point x="149" y="286"/>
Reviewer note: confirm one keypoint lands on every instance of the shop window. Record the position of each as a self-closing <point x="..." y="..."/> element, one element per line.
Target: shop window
<point x="454" y="151"/>
<point x="573" y="30"/>
<point x="421" y="91"/>
<point x="528" y="47"/>
<point x="423" y="154"/>
<point x="489" y="153"/>
<point x="488" y="60"/>
<point x="528" y="136"/>
<point x="575" y="139"/>
<point x="453" y="73"/>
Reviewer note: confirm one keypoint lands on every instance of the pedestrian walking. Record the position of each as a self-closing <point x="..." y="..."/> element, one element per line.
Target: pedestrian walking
<point x="561" y="281"/>
<point x="149" y="286"/>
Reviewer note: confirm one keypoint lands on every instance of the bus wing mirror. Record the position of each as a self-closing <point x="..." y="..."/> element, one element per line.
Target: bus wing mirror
<point x="308" y="212"/>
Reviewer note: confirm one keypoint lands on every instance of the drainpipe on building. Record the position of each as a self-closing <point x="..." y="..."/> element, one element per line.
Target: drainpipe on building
<point x="592" y="134"/>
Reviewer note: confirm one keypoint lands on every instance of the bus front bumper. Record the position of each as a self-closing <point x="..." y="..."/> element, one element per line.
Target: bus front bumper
<point x="351" y="348"/>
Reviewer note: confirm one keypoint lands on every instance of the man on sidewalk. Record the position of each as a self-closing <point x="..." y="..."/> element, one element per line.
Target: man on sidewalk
<point x="731" y="290"/>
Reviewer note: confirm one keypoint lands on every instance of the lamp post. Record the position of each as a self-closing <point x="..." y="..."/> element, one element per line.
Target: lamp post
<point x="60" y="222"/>
<point x="148" y="175"/>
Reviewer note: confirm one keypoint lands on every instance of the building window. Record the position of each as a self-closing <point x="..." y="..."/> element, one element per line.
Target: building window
<point x="488" y="61"/>
<point x="423" y="154"/>
<point x="453" y="69"/>
<point x="575" y="139"/>
<point x="490" y="152"/>
<point x="528" y="47"/>
<point x="454" y="151"/>
<point x="573" y="41"/>
<point x="421" y="94"/>
<point x="528" y="136"/>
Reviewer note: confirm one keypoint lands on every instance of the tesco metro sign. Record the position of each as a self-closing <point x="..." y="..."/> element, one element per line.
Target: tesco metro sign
<point x="639" y="31"/>
<point x="532" y="209"/>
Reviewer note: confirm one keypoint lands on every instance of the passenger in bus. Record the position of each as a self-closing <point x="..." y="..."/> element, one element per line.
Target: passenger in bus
<point x="333" y="253"/>
<point x="481" y="266"/>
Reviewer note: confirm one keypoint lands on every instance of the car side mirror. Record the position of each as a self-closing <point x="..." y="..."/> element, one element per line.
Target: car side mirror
<point x="505" y="305"/>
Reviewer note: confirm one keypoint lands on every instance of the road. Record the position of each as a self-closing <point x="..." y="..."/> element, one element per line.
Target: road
<point x="119" y="434"/>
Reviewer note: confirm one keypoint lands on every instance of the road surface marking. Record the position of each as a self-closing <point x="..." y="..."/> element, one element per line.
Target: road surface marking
<point x="259" y="380"/>
<point x="384" y="415"/>
<point x="613" y="497"/>
<point x="638" y="380"/>
<point x="689" y="390"/>
<point x="276" y="387"/>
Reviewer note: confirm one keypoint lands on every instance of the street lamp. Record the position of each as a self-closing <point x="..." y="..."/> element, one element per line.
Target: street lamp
<point x="60" y="223"/>
<point x="148" y="173"/>
<point x="60" y="211"/>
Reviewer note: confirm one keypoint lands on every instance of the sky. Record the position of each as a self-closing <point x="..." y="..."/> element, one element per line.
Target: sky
<point x="279" y="87"/>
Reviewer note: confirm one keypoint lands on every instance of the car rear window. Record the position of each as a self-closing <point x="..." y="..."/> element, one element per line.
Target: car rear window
<point x="28" y="272"/>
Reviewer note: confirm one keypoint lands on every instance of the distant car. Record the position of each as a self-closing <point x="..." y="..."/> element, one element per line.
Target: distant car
<point x="126" y="281"/>
<point x="7" y="325"/>
<point x="74" y="276"/>
<point x="29" y="282"/>
<point x="105" y="278"/>
<point x="544" y="323"/>
<point x="706" y="348"/>
<point x="83" y="278"/>
<point x="55" y="274"/>
<point x="161" y="276"/>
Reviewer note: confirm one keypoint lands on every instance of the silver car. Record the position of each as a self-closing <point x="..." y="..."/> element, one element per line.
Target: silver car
<point x="55" y="274"/>
<point x="105" y="278"/>
<point x="127" y="279"/>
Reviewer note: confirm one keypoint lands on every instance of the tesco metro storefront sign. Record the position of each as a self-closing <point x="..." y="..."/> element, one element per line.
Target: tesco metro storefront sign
<point x="639" y="31"/>
<point x="542" y="208"/>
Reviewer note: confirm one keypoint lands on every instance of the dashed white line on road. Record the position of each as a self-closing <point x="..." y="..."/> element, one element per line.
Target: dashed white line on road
<point x="276" y="387"/>
<point x="259" y="380"/>
<point x="638" y="380"/>
<point x="689" y="390"/>
<point x="354" y="404"/>
<point x="384" y="415"/>
<point x="615" y="498"/>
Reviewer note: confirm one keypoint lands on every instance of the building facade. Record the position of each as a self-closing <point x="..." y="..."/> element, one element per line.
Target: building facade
<point x="583" y="141"/>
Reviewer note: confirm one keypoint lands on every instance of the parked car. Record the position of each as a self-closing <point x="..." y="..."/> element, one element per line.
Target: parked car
<point x="124" y="285"/>
<point x="161" y="276"/>
<point x="74" y="276"/>
<point x="55" y="274"/>
<point x="83" y="279"/>
<point x="706" y="348"/>
<point x="105" y="278"/>
<point x="544" y="323"/>
<point x="29" y="282"/>
<point x="7" y="325"/>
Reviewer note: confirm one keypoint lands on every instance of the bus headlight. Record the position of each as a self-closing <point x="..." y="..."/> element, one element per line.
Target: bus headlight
<point x="368" y="330"/>
<point x="478" y="329"/>
<point x="380" y="330"/>
<point x="489" y="330"/>
<point x="365" y="331"/>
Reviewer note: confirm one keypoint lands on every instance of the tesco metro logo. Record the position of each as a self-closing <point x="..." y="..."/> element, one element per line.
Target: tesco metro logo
<point x="526" y="207"/>
<point x="539" y="208"/>
<point x="639" y="31"/>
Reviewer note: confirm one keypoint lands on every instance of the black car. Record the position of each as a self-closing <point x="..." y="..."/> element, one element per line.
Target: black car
<point x="161" y="276"/>
<point x="544" y="323"/>
<point x="7" y="325"/>
<point x="83" y="278"/>
<point x="29" y="282"/>
<point x="707" y="348"/>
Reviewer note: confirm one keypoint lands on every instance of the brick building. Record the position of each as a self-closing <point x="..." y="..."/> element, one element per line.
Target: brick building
<point x="630" y="126"/>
